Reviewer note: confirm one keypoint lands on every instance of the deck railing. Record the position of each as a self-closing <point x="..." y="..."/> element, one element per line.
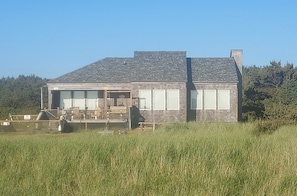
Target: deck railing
<point x="114" y="112"/>
<point x="22" y="117"/>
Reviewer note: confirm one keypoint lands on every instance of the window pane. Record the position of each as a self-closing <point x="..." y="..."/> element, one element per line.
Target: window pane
<point x="79" y="99"/>
<point x="210" y="99"/>
<point x="196" y="99"/>
<point x="65" y="100"/>
<point x="224" y="99"/>
<point x="173" y="99"/>
<point x="159" y="99"/>
<point x="145" y="99"/>
<point x="92" y="101"/>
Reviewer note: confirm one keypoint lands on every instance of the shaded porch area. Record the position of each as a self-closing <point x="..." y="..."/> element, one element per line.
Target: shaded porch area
<point x="91" y="106"/>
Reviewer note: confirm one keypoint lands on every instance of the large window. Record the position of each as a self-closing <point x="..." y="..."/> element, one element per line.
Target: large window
<point x="196" y="99"/>
<point x="210" y="99"/>
<point x="92" y="100"/>
<point x="159" y="99"/>
<point x="172" y="99"/>
<point x="145" y="99"/>
<point x="65" y="100"/>
<point x="224" y="99"/>
<point x="79" y="99"/>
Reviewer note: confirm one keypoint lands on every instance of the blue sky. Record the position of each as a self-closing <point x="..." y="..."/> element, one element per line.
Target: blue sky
<point x="51" y="38"/>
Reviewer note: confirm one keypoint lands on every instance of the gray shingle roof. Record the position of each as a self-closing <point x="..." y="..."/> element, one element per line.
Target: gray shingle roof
<point x="213" y="70"/>
<point x="162" y="66"/>
<point x="145" y="66"/>
<point x="105" y="70"/>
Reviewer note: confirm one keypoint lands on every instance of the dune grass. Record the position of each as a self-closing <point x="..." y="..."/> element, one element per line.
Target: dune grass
<point x="177" y="159"/>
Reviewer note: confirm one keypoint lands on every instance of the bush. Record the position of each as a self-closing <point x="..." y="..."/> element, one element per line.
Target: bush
<point x="269" y="126"/>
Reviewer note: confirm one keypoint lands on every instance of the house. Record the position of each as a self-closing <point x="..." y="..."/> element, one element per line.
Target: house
<point x="154" y="87"/>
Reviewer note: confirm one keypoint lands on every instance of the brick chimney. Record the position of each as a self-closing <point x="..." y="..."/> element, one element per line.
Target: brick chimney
<point x="237" y="55"/>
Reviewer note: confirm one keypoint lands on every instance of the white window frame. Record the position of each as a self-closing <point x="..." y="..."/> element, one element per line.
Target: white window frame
<point x="173" y="99"/>
<point x="159" y="99"/>
<point x="79" y="99"/>
<point x="92" y="100"/>
<point x="224" y="99"/>
<point x="196" y="99"/>
<point x="65" y="100"/>
<point x="210" y="99"/>
<point x="145" y="97"/>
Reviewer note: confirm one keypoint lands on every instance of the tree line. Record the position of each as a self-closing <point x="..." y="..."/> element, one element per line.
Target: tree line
<point x="21" y="95"/>
<point x="269" y="92"/>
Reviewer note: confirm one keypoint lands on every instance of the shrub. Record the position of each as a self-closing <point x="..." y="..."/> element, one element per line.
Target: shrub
<point x="269" y="126"/>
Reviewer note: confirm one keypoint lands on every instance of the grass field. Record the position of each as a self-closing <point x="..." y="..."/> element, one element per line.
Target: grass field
<point x="177" y="159"/>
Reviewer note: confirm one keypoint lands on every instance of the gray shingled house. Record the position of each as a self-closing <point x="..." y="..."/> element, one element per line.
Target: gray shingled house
<point x="154" y="87"/>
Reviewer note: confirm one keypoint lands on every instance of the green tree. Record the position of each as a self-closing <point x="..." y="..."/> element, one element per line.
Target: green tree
<point x="20" y="95"/>
<point x="252" y="106"/>
<point x="270" y="92"/>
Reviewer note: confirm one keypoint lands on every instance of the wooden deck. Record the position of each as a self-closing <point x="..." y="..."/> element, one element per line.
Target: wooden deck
<point x="98" y="121"/>
<point x="6" y="122"/>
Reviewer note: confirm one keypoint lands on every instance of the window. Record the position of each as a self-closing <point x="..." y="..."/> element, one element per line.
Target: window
<point x="224" y="99"/>
<point x="196" y="99"/>
<point x="173" y="99"/>
<point x="210" y="99"/>
<point x="65" y="100"/>
<point x="145" y="99"/>
<point x="159" y="99"/>
<point x="92" y="100"/>
<point x="79" y="99"/>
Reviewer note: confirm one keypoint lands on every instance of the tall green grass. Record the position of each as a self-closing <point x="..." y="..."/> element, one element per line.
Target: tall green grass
<point x="177" y="159"/>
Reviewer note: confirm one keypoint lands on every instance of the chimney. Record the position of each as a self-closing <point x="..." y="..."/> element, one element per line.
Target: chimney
<point x="237" y="56"/>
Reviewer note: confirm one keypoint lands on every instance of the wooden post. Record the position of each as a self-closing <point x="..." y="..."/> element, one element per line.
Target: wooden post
<point x="105" y="101"/>
<point x="41" y="99"/>
<point x="129" y="118"/>
<point x="153" y="113"/>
